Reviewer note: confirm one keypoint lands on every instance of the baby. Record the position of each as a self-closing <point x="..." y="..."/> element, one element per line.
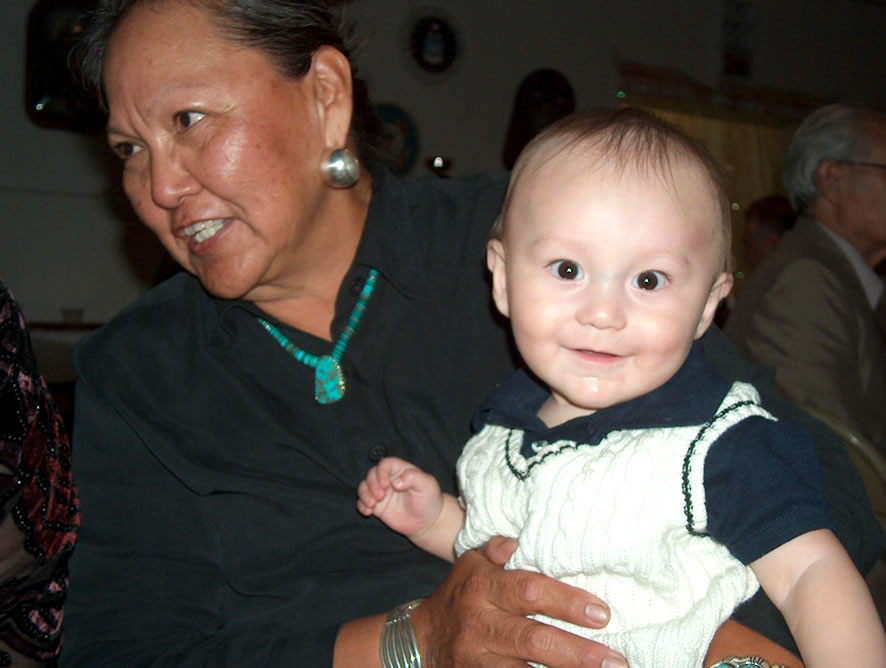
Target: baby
<point x="623" y="463"/>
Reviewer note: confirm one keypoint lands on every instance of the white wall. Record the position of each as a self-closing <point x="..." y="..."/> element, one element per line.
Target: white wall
<point x="62" y="245"/>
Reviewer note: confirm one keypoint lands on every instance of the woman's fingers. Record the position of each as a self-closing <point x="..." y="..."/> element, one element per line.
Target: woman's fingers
<point x="499" y="549"/>
<point x="477" y="617"/>
<point x="535" y="594"/>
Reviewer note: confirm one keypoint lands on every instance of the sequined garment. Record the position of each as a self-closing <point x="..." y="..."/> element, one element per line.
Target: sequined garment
<point x="38" y="500"/>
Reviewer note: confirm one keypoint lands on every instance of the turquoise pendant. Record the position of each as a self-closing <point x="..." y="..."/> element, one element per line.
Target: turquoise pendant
<point x="329" y="381"/>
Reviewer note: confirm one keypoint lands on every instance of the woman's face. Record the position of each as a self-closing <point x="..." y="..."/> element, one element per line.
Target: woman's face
<point x="221" y="152"/>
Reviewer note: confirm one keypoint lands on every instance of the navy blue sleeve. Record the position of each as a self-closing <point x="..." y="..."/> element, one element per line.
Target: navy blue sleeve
<point x="763" y="487"/>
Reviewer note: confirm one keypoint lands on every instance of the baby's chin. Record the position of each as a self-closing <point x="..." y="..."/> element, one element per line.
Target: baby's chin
<point x="590" y="386"/>
<point x="590" y="394"/>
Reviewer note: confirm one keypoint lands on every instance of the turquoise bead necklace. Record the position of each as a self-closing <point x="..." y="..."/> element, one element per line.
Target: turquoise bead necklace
<point x="329" y="381"/>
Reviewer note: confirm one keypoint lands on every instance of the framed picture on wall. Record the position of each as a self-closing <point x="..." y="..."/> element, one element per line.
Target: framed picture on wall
<point x="53" y="99"/>
<point x="432" y="43"/>
<point x="400" y="143"/>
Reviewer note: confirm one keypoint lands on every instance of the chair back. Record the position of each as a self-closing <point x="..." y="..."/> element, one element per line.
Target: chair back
<point x="867" y="459"/>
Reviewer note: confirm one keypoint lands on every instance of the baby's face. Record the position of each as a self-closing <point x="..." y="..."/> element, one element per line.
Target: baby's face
<point x="607" y="278"/>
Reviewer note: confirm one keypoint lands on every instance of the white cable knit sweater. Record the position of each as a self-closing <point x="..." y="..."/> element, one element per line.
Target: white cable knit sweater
<point x="612" y="519"/>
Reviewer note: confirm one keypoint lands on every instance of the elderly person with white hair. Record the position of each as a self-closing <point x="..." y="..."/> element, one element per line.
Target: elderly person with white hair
<point x="810" y="310"/>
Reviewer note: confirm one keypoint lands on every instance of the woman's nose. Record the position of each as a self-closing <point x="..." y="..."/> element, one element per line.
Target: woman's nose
<point x="171" y="181"/>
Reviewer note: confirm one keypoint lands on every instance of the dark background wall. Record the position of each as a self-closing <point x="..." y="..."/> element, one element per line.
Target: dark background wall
<point x="66" y="240"/>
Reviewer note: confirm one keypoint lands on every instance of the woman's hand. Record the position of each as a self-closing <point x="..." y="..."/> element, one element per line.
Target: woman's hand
<point x="477" y="617"/>
<point x="736" y="639"/>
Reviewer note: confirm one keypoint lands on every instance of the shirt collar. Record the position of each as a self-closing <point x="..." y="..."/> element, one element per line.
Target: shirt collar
<point x="690" y="397"/>
<point x="390" y="242"/>
<point x="870" y="282"/>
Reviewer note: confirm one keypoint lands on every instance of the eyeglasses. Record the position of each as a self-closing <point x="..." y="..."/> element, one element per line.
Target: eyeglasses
<point x="878" y="165"/>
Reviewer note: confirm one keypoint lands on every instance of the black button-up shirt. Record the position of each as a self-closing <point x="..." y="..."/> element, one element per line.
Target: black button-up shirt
<point x="221" y="498"/>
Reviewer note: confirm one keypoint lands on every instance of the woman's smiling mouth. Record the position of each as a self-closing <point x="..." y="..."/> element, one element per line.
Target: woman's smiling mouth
<point x="205" y="229"/>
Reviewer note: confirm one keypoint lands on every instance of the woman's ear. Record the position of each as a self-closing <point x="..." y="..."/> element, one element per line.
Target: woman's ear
<point x="718" y="292"/>
<point x="495" y="260"/>
<point x="331" y="76"/>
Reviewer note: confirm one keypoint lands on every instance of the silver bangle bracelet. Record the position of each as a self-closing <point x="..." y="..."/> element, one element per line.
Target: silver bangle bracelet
<point x="744" y="662"/>
<point x="397" y="646"/>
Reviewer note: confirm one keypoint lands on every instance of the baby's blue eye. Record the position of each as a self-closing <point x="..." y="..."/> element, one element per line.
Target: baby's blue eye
<point x="650" y="280"/>
<point x="567" y="269"/>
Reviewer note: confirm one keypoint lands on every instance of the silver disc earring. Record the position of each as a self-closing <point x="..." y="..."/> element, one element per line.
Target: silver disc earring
<point x="341" y="169"/>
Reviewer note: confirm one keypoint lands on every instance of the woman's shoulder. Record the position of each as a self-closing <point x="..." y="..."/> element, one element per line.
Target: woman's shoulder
<point x="157" y="321"/>
<point x="479" y="190"/>
<point x="457" y="211"/>
<point x="482" y="194"/>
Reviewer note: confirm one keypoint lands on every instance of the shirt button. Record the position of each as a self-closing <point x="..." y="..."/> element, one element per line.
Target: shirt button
<point x="377" y="453"/>
<point x="357" y="285"/>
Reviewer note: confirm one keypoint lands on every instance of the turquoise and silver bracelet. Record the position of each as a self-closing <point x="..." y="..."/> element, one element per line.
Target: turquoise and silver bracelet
<point x="397" y="646"/>
<point x="745" y="662"/>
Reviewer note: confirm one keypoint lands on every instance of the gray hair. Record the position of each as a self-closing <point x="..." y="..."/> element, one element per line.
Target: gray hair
<point x="833" y="132"/>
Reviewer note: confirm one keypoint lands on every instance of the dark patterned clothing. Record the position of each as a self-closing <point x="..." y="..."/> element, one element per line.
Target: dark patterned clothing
<point x="40" y="513"/>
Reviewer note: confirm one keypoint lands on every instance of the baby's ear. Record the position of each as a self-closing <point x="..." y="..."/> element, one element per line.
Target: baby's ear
<point x="718" y="292"/>
<point x="495" y="260"/>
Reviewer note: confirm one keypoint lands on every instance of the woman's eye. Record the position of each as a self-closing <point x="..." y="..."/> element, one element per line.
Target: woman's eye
<point x="186" y="119"/>
<point x="125" y="149"/>
<point x="650" y="280"/>
<point x="567" y="269"/>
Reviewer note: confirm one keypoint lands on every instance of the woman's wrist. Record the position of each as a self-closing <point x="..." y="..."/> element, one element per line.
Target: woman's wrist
<point x="397" y="646"/>
<point x="746" y="662"/>
<point x="357" y="643"/>
<point x="734" y="641"/>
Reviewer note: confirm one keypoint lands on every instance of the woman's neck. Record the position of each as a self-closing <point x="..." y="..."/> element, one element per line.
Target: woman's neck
<point x="306" y="299"/>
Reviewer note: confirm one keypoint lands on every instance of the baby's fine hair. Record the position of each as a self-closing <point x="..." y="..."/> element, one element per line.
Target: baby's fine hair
<point x="625" y="138"/>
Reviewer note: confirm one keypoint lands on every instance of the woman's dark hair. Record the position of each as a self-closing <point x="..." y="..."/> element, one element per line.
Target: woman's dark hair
<point x="287" y="31"/>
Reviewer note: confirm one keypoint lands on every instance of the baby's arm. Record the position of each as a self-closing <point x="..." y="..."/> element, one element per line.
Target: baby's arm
<point x="410" y="502"/>
<point x="825" y="601"/>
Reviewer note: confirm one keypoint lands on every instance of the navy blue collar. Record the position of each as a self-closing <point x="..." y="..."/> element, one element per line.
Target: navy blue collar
<point x="690" y="397"/>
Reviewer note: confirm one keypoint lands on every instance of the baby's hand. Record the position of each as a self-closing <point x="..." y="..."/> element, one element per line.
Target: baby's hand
<point x="404" y="497"/>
